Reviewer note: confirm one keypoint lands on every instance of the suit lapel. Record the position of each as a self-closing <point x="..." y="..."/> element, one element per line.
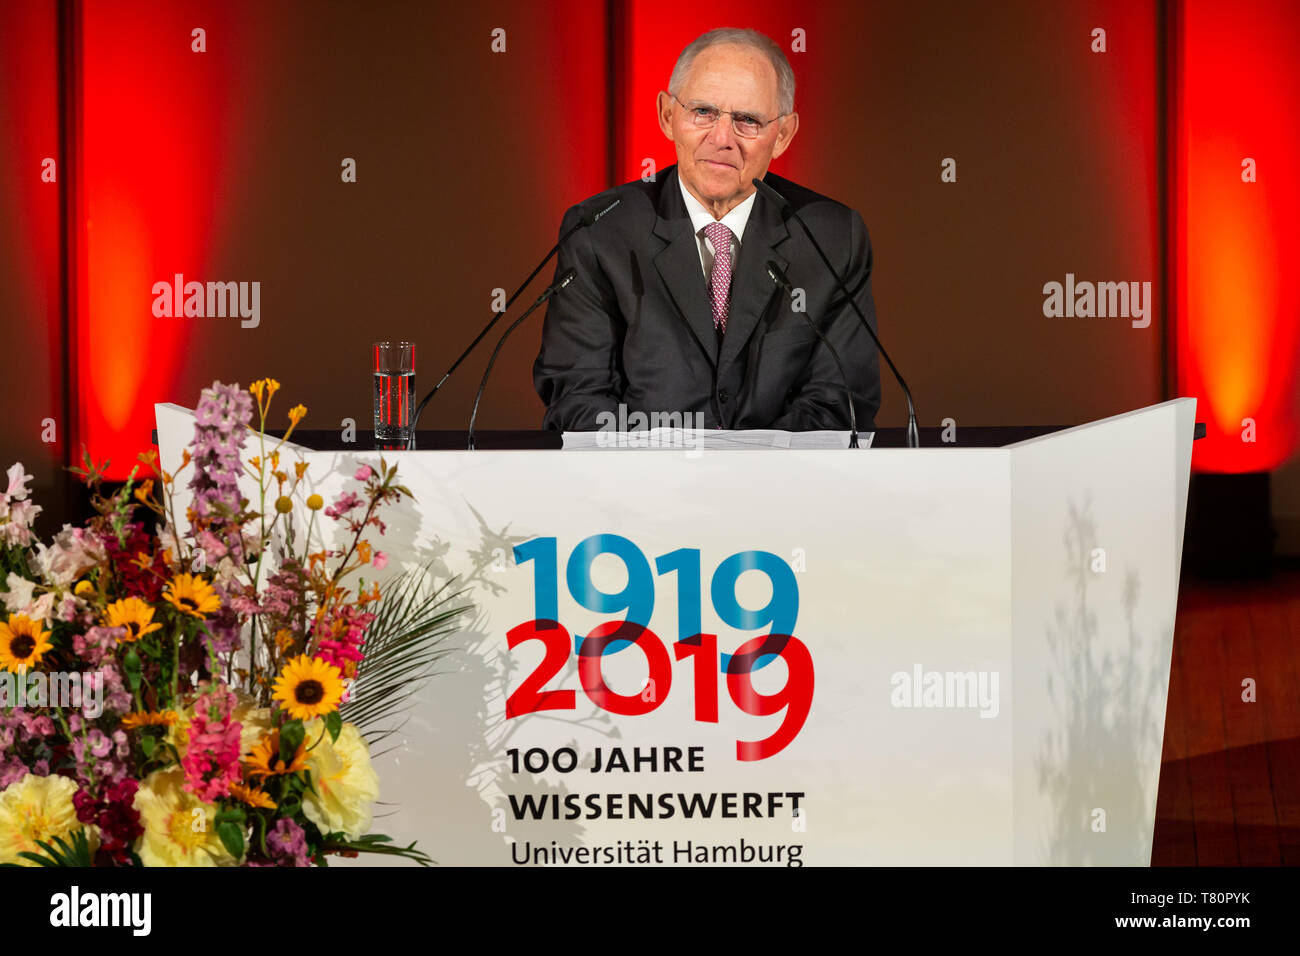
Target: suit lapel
<point x="752" y="289"/>
<point x="679" y="265"/>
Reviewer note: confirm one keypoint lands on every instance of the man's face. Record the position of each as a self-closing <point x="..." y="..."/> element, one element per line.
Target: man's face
<point x="715" y="164"/>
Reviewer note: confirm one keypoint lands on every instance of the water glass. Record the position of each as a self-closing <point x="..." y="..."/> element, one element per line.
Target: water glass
<point x="394" y="390"/>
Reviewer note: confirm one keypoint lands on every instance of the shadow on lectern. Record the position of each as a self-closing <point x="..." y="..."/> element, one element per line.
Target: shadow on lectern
<point x="1104" y="694"/>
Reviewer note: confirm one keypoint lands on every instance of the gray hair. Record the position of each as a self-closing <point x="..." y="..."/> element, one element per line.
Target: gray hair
<point x="749" y="38"/>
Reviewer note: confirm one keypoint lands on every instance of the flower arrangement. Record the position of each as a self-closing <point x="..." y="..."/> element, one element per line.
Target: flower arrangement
<point x="180" y="694"/>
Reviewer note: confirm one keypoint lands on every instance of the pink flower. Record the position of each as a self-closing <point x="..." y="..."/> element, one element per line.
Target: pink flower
<point x="364" y="473"/>
<point x="211" y="760"/>
<point x="379" y="560"/>
<point x="345" y="503"/>
<point x="343" y="635"/>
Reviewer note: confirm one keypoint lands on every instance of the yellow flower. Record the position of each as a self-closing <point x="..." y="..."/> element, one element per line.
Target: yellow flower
<point x="309" y="687"/>
<point x="144" y="491"/>
<point x="268" y="385"/>
<point x="284" y="504"/>
<point x="144" y="718"/>
<point x="252" y="796"/>
<point x="297" y="413"/>
<point x="193" y="595"/>
<point x="299" y="468"/>
<point x="83" y="589"/>
<point x="22" y="643"/>
<point x="283" y="639"/>
<point x="37" y="809"/>
<point x="179" y="829"/>
<point x="345" y="782"/>
<point x="363" y="552"/>
<point x="315" y="502"/>
<point x="133" y="614"/>
<point x="264" y="761"/>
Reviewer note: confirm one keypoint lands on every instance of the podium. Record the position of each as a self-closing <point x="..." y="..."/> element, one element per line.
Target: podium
<point x="938" y="656"/>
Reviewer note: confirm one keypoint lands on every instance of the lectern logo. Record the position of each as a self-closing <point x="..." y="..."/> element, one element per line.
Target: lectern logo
<point x="198" y="300"/>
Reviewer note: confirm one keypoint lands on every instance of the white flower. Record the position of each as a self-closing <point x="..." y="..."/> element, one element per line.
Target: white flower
<point x="346" y="784"/>
<point x="19" y="595"/>
<point x="73" y="553"/>
<point x="41" y="608"/>
<point x="16" y="521"/>
<point x="18" y="479"/>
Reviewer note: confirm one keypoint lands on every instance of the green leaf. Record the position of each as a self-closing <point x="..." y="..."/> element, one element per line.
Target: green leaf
<point x="291" y="737"/>
<point x="233" y="815"/>
<point x="147" y="744"/>
<point x="131" y="666"/>
<point x="60" y="853"/>
<point x="376" y="843"/>
<point x="334" y="724"/>
<point x="232" y="837"/>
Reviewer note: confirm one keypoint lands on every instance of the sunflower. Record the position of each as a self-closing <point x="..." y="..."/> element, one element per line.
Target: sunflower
<point x="22" y="643"/>
<point x="252" y="796"/>
<point x="309" y="687"/>
<point x="134" y="615"/>
<point x="264" y="760"/>
<point x="193" y="595"/>
<point x="141" y="718"/>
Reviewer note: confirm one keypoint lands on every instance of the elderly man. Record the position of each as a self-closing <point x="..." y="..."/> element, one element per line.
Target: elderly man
<point x="673" y="311"/>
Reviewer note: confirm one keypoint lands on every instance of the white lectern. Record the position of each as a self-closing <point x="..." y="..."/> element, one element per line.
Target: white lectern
<point x="972" y="662"/>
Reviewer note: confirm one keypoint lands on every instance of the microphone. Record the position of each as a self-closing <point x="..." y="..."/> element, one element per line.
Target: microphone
<point x="568" y="276"/>
<point x="913" y="436"/>
<point x="588" y="219"/>
<point x="780" y="279"/>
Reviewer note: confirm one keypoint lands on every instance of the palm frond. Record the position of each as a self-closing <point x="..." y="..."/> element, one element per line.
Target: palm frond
<point x="375" y="843"/>
<point x="59" y="853"/>
<point x="404" y="641"/>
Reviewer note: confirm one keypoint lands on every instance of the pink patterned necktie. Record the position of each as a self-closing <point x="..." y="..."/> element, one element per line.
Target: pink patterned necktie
<point x="720" y="282"/>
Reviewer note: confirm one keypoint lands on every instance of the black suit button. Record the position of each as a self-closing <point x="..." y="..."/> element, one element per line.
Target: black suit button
<point x="724" y="396"/>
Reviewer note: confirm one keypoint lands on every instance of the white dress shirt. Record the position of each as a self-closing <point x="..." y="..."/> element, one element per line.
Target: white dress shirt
<point x="701" y="217"/>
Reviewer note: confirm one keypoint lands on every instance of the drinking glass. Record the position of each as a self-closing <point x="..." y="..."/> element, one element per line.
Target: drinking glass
<point x="394" y="390"/>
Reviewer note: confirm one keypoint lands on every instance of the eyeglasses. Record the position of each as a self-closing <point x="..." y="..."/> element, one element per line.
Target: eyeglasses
<point x="746" y="125"/>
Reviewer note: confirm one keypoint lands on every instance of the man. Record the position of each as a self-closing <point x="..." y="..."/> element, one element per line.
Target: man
<point x="672" y="309"/>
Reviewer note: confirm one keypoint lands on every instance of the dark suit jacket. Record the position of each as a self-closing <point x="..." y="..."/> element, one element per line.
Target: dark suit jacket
<point x="634" y="326"/>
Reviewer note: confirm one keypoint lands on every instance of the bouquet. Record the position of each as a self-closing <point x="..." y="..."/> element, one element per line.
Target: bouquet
<point x="206" y="694"/>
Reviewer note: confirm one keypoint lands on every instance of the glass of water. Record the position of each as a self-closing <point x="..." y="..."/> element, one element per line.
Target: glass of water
<point x="394" y="390"/>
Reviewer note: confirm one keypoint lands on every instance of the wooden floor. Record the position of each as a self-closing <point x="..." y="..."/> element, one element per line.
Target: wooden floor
<point x="1230" y="771"/>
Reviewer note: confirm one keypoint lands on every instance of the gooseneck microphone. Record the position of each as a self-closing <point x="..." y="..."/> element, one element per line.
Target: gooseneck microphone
<point x="588" y="219"/>
<point x="553" y="288"/>
<point x="787" y="211"/>
<point x="780" y="279"/>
